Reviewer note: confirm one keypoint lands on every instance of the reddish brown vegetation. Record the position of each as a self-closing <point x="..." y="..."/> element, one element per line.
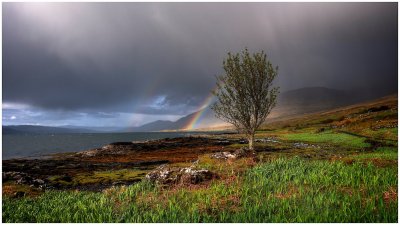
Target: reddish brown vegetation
<point x="173" y="155"/>
<point x="390" y="195"/>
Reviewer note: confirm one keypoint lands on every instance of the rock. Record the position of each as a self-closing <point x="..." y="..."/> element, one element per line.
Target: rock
<point x="222" y="142"/>
<point x="242" y="152"/>
<point x="227" y="155"/>
<point x="163" y="174"/>
<point x="90" y="153"/>
<point x="20" y="181"/>
<point x="305" y="145"/>
<point x="300" y="145"/>
<point x="267" y="139"/>
<point x="17" y="177"/>
<point x="223" y="155"/>
<point x="171" y="175"/>
<point x="38" y="182"/>
<point x="194" y="176"/>
<point x="19" y="194"/>
<point x="120" y="148"/>
<point x="118" y="183"/>
<point x="243" y="141"/>
<point x="12" y="175"/>
<point x="25" y="180"/>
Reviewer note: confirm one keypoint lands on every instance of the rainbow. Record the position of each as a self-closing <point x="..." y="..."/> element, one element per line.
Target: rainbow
<point x="203" y="106"/>
<point x="193" y="121"/>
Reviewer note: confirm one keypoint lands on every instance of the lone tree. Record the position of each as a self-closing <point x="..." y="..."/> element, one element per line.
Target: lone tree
<point x="245" y="92"/>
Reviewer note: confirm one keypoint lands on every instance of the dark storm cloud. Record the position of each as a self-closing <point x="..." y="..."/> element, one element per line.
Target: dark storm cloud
<point x="125" y="57"/>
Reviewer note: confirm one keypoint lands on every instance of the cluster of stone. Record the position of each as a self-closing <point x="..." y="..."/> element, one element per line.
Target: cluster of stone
<point x="167" y="175"/>
<point x="228" y="155"/>
<point x="23" y="178"/>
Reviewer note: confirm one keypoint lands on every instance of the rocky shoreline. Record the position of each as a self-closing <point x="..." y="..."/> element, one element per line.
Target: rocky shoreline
<point x="120" y="163"/>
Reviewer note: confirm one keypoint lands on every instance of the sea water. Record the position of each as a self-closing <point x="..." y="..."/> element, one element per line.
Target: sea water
<point x="36" y="145"/>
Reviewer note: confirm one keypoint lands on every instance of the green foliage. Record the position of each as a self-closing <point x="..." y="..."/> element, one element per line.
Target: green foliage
<point x="69" y="206"/>
<point x="56" y="206"/>
<point x="282" y="190"/>
<point x="321" y="191"/>
<point x="245" y="93"/>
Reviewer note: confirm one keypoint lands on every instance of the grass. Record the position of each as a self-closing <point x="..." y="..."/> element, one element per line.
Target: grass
<point x="10" y="188"/>
<point x="282" y="190"/>
<point x="110" y="176"/>
<point x="389" y="153"/>
<point x="107" y="176"/>
<point x="335" y="138"/>
<point x="56" y="206"/>
<point x="385" y="133"/>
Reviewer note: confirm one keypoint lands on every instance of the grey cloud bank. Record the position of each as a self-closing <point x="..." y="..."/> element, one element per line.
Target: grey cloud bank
<point x="160" y="59"/>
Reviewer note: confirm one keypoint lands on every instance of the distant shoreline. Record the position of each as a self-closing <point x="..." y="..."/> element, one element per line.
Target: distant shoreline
<point x="41" y="145"/>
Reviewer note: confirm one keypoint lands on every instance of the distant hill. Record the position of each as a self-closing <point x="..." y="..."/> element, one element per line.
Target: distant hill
<point x="290" y="103"/>
<point x="312" y="99"/>
<point x="153" y="126"/>
<point x="205" y="117"/>
<point x="29" y="129"/>
<point x="315" y="96"/>
<point x="94" y="129"/>
<point x="9" y="130"/>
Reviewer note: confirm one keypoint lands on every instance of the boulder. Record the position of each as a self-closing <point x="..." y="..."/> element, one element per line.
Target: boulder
<point x="163" y="175"/>
<point x="242" y="152"/>
<point x="223" y="155"/>
<point x="23" y="178"/>
<point x="167" y="175"/>
<point x="195" y="176"/>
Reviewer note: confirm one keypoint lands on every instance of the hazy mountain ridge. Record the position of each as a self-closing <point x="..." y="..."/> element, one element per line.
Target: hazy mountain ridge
<point x="312" y="99"/>
<point x="22" y="129"/>
<point x="289" y="103"/>
<point x="152" y="126"/>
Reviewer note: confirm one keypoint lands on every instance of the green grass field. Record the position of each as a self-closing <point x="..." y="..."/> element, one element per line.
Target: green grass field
<point x="282" y="190"/>
<point x="330" y="137"/>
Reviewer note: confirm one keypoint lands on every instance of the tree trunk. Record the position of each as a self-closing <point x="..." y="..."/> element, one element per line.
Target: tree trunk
<point x="251" y="142"/>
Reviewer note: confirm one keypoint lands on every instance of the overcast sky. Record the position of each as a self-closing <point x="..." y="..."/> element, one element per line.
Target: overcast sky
<point x="126" y="64"/>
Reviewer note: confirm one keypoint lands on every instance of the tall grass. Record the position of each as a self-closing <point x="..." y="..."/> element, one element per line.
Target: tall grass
<point x="283" y="190"/>
<point x="320" y="191"/>
<point x="57" y="206"/>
